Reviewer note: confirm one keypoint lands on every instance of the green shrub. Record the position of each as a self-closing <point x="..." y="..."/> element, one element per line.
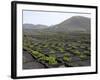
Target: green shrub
<point x="78" y="53"/>
<point x="83" y="57"/>
<point x="66" y="58"/>
<point x="52" y="59"/>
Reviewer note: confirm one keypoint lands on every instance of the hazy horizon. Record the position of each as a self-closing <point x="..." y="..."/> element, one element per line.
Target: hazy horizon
<point x="48" y="18"/>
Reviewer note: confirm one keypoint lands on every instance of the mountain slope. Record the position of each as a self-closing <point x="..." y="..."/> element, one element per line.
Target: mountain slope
<point x="31" y="26"/>
<point x="76" y="23"/>
<point x="73" y="24"/>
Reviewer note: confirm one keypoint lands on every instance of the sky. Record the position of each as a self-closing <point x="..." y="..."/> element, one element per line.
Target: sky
<point x="48" y="18"/>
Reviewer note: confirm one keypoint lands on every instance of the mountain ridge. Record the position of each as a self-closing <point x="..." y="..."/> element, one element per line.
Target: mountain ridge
<point x="75" y="23"/>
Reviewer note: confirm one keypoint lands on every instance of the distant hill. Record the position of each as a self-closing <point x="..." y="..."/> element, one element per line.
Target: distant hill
<point x="76" y="23"/>
<point x="31" y="26"/>
<point x="73" y="24"/>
